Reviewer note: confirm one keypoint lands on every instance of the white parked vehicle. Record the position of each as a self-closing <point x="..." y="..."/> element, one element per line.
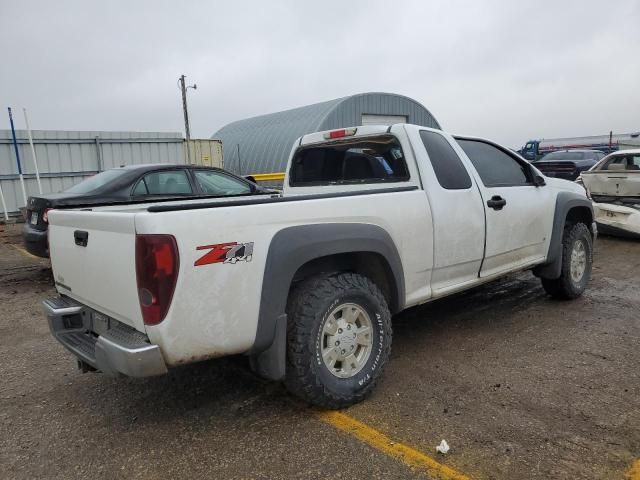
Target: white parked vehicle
<point x="372" y="220"/>
<point x="614" y="186"/>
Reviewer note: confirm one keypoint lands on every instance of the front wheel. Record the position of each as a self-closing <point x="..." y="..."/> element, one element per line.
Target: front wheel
<point x="577" y="259"/>
<point x="339" y="339"/>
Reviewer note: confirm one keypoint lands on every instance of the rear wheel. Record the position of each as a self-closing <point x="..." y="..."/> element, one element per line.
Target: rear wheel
<point x="339" y="339"/>
<point x="577" y="258"/>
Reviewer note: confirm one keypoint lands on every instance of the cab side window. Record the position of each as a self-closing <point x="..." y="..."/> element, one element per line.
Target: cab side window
<point x="495" y="167"/>
<point x="449" y="170"/>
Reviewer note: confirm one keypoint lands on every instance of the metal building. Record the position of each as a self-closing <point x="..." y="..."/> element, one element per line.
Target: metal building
<point x="262" y="144"/>
<point x="67" y="157"/>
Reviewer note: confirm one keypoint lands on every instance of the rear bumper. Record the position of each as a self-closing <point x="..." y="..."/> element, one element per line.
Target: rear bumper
<point x="617" y="219"/>
<point x="102" y="342"/>
<point x="35" y="241"/>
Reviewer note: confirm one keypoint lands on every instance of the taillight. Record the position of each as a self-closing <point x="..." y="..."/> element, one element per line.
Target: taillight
<point x="343" y="132"/>
<point x="157" y="265"/>
<point x="45" y="215"/>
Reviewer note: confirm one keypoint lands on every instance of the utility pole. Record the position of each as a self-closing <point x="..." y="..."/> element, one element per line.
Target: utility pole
<point x="183" y="89"/>
<point x="239" y="162"/>
<point x="610" y="141"/>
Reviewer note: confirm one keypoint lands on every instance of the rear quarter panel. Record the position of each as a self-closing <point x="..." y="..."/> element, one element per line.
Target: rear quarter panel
<point x="215" y="307"/>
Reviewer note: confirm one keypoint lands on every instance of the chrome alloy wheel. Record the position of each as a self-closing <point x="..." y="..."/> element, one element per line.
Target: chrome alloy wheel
<point x="347" y="340"/>
<point x="578" y="261"/>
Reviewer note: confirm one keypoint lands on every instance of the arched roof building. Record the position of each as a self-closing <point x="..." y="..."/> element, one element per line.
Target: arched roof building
<point x="262" y="144"/>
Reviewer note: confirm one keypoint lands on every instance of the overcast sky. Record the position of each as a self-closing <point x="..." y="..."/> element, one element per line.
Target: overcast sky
<point x="505" y="70"/>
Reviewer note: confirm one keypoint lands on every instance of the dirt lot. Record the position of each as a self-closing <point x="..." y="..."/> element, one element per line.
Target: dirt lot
<point x="519" y="385"/>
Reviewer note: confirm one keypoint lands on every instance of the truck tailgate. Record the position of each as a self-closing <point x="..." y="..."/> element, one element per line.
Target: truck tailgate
<point x="93" y="261"/>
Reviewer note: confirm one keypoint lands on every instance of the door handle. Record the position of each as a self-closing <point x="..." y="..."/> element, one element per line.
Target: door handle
<point x="81" y="237"/>
<point x="496" y="202"/>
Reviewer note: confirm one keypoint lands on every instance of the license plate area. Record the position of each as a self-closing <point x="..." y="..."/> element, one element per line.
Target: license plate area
<point x="34" y="218"/>
<point x="100" y="323"/>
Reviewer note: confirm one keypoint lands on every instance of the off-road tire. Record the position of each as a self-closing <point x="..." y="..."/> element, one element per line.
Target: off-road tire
<point x="565" y="287"/>
<point x="309" y="305"/>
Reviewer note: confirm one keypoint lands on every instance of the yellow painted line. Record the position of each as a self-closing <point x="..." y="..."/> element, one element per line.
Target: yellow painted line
<point x="634" y="471"/>
<point x="409" y="456"/>
<point x="23" y="251"/>
<point x="267" y="177"/>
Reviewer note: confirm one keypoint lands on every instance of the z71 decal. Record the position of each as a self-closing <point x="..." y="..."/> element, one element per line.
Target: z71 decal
<point x="231" y="252"/>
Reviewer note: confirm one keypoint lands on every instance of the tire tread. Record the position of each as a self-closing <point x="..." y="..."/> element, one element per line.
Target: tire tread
<point x="304" y="303"/>
<point x="562" y="288"/>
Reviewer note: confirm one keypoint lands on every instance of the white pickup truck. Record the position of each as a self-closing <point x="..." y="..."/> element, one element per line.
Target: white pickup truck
<point x="372" y="220"/>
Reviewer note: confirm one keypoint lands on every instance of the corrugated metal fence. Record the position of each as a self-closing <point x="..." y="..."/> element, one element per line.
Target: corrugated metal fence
<point x="67" y="157"/>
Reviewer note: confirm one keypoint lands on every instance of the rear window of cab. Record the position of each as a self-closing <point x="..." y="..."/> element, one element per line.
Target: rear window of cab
<point x="353" y="161"/>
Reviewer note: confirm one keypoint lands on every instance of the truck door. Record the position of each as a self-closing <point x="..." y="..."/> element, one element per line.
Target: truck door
<point x="519" y="215"/>
<point x="456" y="209"/>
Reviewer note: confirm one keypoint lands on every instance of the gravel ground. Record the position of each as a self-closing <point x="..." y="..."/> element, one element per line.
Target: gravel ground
<point x="519" y="385"/>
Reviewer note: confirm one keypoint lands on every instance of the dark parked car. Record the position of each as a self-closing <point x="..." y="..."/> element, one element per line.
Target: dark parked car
<point x="130" y="184"/>
<point x="568" y="164"/>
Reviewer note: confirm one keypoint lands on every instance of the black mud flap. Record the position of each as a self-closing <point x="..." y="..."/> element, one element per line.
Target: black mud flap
<point x="270" y="363"/>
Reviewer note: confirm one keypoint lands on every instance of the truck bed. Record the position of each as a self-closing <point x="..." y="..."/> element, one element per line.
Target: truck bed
<point x="221" y="321"/>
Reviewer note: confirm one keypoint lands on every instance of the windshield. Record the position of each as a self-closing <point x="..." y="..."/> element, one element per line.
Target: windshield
<point x="97" y="181"/>
<point x="566" y="156"/>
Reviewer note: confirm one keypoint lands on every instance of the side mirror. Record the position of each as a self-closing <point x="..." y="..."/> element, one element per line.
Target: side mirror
<point x="538" y="180"/>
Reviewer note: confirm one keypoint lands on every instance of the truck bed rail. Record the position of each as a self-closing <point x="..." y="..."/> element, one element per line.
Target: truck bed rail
<point x="277" y="199"/>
